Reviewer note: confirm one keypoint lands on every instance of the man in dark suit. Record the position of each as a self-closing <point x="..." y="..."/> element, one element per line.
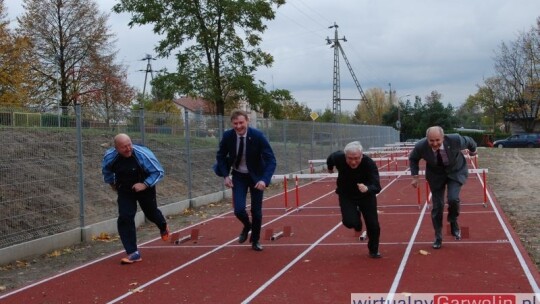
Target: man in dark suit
<point x="358" y="184"/>
<point x="446" y="167"/>
<point x="248" y="153"/>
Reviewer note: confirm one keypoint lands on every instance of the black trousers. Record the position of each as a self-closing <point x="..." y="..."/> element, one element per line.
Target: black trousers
<point x="453" y="189"/>
<point x="127" y="208"/>
<point x="352" y="209"/>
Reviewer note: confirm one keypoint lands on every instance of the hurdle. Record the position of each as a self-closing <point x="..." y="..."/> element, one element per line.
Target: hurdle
<point x="286" y="194"/>
<point x="177" y="239"/>
<point x="382" y="173"/>
<point x="269" y="234"/>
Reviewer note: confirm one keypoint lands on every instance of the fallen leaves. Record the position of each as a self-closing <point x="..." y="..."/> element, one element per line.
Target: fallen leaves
<point x="104" y="237"/>
<point x="423" y="252"/>
<point x="17" y="265"/>
<point x="135" y="290"/>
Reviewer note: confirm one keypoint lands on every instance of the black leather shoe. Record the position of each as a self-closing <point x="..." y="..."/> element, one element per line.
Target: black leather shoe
<point x="257" y="246"/>
<point x="456" y="232"/>
<point x="243" y="235"/>
<point x="375" y="255"/>
<point x="437" y="244"/>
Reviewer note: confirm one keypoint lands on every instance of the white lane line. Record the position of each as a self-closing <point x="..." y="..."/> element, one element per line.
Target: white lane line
<point x="407" y="253"/>
<point x="288" y="266"/>
<point x="301" y="255"/>
<point x="142" y="286"/>
<point x="520" y="258"/>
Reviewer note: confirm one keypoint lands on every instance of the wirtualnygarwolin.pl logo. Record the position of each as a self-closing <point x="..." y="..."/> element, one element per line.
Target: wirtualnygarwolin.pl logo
<point x="445" y="298"/>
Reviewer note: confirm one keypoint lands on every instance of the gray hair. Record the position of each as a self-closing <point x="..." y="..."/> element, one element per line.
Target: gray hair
<point x="353" y="146"/>
<point x="435" y="128"/>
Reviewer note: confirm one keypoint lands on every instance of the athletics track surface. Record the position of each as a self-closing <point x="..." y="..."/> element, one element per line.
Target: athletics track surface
<point x="320" y="262"/>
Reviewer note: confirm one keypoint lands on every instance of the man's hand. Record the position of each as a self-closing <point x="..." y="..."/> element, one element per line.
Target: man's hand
<point x="138" y="187"/>
<point x="113" y="186"/>
<point x="467" y="152"/>
<point x="228" y="182"/>
<point x="260" y="185"/>
<point x="414" y="182"/>
<point x="363" y="188"/>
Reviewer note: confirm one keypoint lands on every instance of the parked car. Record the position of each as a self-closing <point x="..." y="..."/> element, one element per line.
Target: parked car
<point x="525" y="140"/>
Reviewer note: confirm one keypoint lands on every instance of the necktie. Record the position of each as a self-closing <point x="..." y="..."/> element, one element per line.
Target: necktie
<point x="240" y="152"/>
<point x="439" y="158"/>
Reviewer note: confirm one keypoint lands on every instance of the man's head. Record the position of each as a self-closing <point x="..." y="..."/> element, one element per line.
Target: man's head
<point x="122" y="144"/>
<point x="435" y="137"/>
<point x="239" y="121"/>
<point x="353" y="154"/>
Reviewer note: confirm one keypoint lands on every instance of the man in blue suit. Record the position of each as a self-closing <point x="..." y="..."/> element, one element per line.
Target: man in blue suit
<point x="446" y="167"/>
<point x="248" y="153"/>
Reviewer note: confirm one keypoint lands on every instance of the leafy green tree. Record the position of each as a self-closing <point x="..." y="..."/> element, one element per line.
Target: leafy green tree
<point x="326" y="116"/>
<point x="436" y="114"/>
<point x="216" y="42"/>
<point x="164" y="86"/>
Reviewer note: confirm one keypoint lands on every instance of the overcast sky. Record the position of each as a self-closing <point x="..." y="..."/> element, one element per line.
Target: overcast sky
<point x="417" y="46"/>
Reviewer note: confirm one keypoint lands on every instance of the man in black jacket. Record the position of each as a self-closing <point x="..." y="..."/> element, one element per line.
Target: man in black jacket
<point x="357" y="187"/>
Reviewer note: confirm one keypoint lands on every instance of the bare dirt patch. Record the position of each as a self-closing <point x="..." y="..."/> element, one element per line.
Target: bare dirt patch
<point x="513" y="177"/>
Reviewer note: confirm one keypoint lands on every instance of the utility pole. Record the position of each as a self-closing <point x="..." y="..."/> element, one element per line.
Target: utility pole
<point x="148" y="70"/>
<point x="336" y="104"/>
<point x="141" y="101"/>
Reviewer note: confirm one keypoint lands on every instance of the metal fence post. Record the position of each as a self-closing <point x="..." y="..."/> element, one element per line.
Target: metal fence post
<point x="80" y="167"/>
<point x="141" y="123"/>
<point x="285" y="144"/>
<point x="188" y="154"/>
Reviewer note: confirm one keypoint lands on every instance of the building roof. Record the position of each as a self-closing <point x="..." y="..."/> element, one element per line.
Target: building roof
<point x="196" y="104"/>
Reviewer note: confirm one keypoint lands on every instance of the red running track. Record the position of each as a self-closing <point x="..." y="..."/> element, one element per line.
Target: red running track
<point x="321" y="262"/>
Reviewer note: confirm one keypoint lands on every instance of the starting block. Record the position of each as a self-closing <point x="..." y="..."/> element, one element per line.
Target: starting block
<point x="464" y="232"/>
<point x="177" y="239"/>
<point x="270" y="235"/>
<point x="362" y="236"/>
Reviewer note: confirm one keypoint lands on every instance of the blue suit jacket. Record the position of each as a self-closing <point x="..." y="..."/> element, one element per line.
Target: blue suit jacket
<point x="457" y="165"/>
<point x="260" y="159"/>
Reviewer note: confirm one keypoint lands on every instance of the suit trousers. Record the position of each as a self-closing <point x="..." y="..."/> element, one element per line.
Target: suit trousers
<point x="127" y="208"/>
<point x="242" y="182"/>
<point x="352" y="209"/>
<point x="453" y="189"/>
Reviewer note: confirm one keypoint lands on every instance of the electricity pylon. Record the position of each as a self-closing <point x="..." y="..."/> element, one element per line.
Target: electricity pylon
<point x="336" y="104"/>
<point x="148" y="70"/>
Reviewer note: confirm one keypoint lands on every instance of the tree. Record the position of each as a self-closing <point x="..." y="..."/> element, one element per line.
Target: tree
<point x="64" y="35"/>
<point x="214" y="60"/>
<point x="518" y="67"/>
<point x="13" y="65"/>
<point x="436" y="114"/>
<point x="111" y="95"/>
<point x="371" y="110"/>
<point x="489" y="102"/>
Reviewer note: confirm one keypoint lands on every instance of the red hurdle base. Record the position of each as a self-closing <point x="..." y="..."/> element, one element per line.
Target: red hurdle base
<point x="269" y="234"/>
<point x="177" y="239"/>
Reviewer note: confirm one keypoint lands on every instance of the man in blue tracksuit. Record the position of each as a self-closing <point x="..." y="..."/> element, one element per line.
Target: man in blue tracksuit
<point x="133" y="171"/>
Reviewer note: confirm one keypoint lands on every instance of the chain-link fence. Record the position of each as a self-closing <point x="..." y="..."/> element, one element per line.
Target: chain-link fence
<point x="50" y="165"/>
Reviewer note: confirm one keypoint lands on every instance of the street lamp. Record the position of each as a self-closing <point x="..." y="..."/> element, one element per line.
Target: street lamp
<point x="398" y="122"/>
